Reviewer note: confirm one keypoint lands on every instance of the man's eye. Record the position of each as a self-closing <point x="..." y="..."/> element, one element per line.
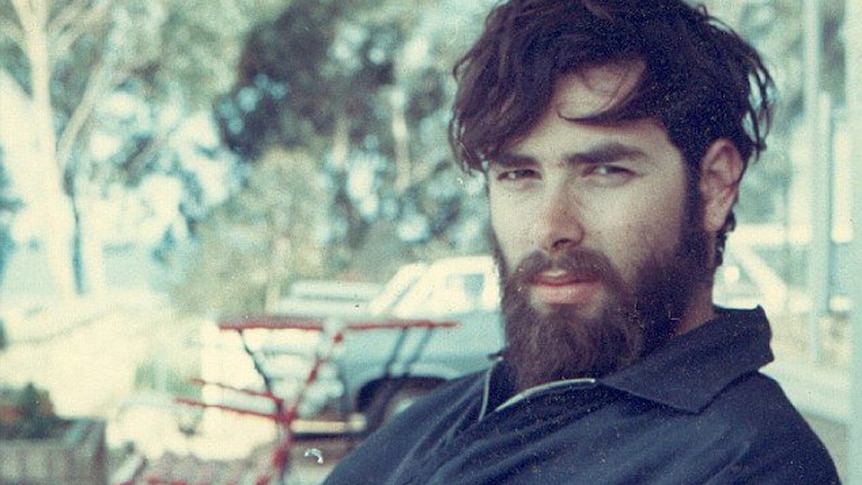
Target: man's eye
<point x="610" y="173"/>
<point x="609" y="170"/>
<point x="516" y="174"/>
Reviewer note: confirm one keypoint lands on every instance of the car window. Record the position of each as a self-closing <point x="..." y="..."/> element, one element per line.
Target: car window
<point x="457" y="293"/>
<point x="396" y="288"/>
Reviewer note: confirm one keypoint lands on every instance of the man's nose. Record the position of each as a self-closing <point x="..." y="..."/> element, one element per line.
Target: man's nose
<point x="559" y="224"/>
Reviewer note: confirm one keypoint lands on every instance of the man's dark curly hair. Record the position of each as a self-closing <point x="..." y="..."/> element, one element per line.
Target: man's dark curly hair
<point x="700" y="79"/>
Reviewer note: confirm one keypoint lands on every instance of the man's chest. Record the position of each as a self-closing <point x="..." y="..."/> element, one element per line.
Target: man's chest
<point x="594" y="437"/>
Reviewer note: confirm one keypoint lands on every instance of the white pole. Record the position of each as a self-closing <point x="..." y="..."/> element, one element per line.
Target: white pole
<point x="819" y="245"/>
<point x="853" y="49"/>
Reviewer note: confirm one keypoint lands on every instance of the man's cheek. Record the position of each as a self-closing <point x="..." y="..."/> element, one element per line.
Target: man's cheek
<point x="508" y="246"/>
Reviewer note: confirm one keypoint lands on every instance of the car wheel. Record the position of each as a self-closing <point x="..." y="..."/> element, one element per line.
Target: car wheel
<point x="395" y="395"/>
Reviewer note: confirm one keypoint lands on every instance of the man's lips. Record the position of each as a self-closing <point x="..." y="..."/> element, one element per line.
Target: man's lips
<point x="557" y="287"/>
<point x="562" y="277"/>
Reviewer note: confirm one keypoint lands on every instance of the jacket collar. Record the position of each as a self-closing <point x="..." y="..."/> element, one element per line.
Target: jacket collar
<point x="686" y="373"/>
<point x="690" y="370"/>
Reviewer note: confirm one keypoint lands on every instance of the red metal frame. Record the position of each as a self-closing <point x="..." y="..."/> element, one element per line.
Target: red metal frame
<point x="285" y="417"/>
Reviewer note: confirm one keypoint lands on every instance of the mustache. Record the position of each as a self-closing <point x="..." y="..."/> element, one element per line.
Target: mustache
<point x="583" y="263"/>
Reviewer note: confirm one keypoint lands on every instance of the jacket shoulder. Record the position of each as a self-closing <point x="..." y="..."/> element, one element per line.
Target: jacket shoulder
<point x="776" y="443"/>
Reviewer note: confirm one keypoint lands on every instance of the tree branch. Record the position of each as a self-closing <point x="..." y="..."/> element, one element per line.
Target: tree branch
<point x="33" y="16"/>
<point x="22" y="9"/>
<point x="75" y="21"/>
<point x="66" y="28"/>
<point x="103" y="81"/>
<point x="18" y="33"/>
<point x="159" y="142"/>
<point x="13" y="31"/>
<point x="67" y="16"/>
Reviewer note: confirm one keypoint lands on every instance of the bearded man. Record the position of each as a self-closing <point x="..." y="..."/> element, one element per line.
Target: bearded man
<point x="613" y="136"/>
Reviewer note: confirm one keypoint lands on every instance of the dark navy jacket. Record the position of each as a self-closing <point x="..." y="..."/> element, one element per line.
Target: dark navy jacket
<point x="695" y="411"/>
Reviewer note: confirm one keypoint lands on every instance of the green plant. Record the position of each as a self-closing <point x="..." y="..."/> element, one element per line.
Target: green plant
<point x="9" y="205"/>
<point x="27" y="413"/>
<point x="149" y="375"/>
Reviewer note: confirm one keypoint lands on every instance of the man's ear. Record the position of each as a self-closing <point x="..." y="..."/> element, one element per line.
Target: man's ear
<point x="720" y="172"/>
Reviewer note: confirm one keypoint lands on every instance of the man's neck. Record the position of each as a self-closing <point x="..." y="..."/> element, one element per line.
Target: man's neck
<point x="700" y="310"/>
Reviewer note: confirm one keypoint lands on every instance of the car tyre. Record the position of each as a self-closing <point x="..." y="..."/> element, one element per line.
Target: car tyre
<point x="394" y="396"/>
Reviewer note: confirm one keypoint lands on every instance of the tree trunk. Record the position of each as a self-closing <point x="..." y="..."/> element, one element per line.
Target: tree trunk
<point x="87" y="249"/>
<point x="276" y="274"/>
<point x="401" y="138"/>
<point x="55" y="205"/>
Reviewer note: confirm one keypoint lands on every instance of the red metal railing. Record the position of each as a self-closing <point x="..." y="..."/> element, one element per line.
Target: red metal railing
<point x="286" y="414"/>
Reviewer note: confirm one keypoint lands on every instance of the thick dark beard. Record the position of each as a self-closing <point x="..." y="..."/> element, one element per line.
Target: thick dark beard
<point x="561" y="344"/>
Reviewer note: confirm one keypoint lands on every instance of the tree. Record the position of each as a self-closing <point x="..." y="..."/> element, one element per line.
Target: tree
<point x="367" y="86"/>
<point x="776" y="30"/>
<point x="256" y="241"/>
<point x="69" y="57"/>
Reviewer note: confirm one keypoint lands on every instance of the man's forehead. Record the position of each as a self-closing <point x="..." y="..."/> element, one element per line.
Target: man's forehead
<point x="595" y="89"/>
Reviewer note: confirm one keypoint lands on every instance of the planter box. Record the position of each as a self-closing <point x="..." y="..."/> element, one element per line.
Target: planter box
<point x="76" y="458"/>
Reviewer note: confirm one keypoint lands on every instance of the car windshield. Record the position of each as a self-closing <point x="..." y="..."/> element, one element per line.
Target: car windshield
<point x="396" y="288"/>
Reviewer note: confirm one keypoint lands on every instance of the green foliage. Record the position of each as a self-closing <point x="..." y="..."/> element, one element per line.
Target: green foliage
<point x="200" y="43"/>
<point x="8" y="207"/>
<point x="776" y="29"/>
<point x="305" y="72"/>
<point x="132" y="73"/>
<point x="28" y="414"/>
<point x="257" y="241"/>
<point x="367" y="86"/>
<point x="175" y="382"/>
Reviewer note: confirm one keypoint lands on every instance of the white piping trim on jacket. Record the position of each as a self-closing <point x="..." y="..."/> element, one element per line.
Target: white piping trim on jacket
<point x="486" y="396"/>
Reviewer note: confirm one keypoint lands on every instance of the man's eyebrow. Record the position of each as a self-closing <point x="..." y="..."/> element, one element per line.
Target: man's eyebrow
<point x="607" y="153"/>
<point x="511" y="159"/>
<point x="596" y="155"/>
